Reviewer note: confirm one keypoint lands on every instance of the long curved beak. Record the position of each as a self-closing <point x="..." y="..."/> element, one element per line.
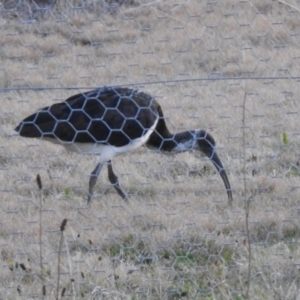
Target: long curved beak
<point x="219" y="166"/>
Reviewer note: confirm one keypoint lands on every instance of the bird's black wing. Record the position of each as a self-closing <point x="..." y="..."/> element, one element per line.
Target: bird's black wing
<point x="112" y="116"/>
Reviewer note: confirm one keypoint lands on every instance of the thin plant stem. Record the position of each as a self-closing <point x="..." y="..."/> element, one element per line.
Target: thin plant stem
<point x="62" y="228"/>
<point x="40" y="186"/>
<point x="247" y="201"/>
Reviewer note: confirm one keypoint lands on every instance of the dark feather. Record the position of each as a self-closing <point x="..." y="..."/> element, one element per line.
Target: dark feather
<point x="106" y="116"/>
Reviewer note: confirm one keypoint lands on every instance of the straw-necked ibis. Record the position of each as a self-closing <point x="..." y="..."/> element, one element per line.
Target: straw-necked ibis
<point x="111" y="121"/>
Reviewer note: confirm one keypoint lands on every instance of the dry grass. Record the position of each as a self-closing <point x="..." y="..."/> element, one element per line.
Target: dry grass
<point x="176" y="238"/>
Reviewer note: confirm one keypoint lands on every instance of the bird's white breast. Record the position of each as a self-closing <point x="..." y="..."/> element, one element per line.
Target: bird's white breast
<point x="105" y="152"/>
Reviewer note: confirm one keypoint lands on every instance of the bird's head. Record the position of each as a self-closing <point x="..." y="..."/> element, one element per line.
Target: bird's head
<point x="205" y="143"/>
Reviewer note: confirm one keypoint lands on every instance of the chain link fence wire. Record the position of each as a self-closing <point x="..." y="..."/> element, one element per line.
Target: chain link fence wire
<point x="228" y="67"/>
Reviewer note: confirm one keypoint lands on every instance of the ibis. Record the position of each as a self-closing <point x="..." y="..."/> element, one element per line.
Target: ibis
<point x="110" y="121"/>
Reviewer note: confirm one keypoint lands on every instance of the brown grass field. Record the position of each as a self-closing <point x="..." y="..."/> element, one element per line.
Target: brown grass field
<point x="177" y="238"/>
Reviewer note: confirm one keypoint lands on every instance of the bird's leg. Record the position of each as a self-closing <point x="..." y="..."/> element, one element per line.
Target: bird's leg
<point x="93" y="180"/>
<point x="115" y="182"/>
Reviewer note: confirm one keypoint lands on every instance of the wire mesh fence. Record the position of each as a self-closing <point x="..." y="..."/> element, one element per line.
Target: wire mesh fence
<point x="230" y="68"/>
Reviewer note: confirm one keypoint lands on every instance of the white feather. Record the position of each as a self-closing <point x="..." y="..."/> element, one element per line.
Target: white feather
<point x="14" y="133"/>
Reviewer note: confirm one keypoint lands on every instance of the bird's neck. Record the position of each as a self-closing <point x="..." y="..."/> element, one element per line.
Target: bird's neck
<point x="183" y="141"/>
<point x="173" y="143"/>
